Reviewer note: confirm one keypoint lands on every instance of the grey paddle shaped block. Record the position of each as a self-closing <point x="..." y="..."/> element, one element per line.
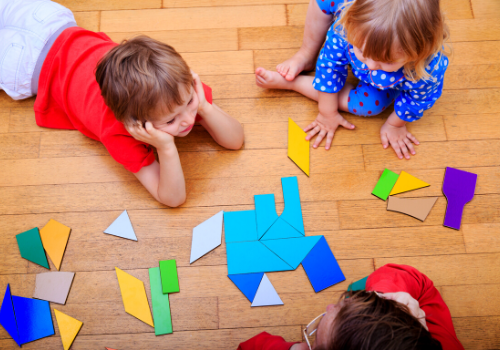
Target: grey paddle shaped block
<point x="122" y="227"/>
<point x="206" y="236"/>
<point x="53" y="286"/>
<point x="266" y="294"/>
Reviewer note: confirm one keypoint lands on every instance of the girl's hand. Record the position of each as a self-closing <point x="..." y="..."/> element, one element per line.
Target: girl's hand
<point x="399" y="138"/>
<point x="412" y="304"/>
<point x="198" y="89"/>
<point x="326" y="126"/>
<point x="150" y="135"/>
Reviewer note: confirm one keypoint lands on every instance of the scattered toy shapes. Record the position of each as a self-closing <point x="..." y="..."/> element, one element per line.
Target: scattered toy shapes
<point x="161" y="304"/>
<point x="281" y="229"/>
<point x="293" y="210"/>
<point x="298" y="147"/>
<point x="122" y="227"/>
<point x="247" y="283"/>
<point x="240" y="226"/>
<point x="252" y="257"/>
<point x="321" y="266"/>
<point x="31" y="247"/>
<point x="55" y="238"/>
<point x="292" y="250"/>
<point x="53" y="286"/>
<point x="33" y="319"/>
<point x="265" y="213"/>
<point x="7" y="316"/>
<point x="407" y="182"/>
<point x="385" y="184"/>
<point x="206" y="237"/>
<point x="169" y="278"/>
<point x="458" y="187"/>
<point x="419" y="208"/>
<point x="68" y="328"/>
<point x="358" y="285"/>
<point x="266" y="294"/>
<point x="134" y="296"/>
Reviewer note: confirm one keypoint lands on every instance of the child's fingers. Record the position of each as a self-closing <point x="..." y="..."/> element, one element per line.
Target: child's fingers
<point x="385" y="140"/>
<point x="319" y="138"/>
<point x="410" y="146"/>
<point x="329" y="139"/>
<point x="310" y="126"/>
<point x="397" y="149"/>
<point x="346" y="124"/>
<point x="313" y="132"/>
<point x="413" y="139"/>
<point x="404" y="149"/>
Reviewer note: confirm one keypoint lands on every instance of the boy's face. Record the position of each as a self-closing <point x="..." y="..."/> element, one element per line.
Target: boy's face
<point x="181" y="120"/>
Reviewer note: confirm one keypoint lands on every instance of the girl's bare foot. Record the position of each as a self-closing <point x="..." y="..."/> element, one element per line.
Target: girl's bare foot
<point x="270" y="80"/>
<point x="292" y="67"/>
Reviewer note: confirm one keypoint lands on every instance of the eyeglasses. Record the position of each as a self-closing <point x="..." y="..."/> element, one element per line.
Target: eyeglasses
<point x="311" y="329"/>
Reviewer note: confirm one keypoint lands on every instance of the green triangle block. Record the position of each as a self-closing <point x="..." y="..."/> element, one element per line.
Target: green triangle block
<point x="31" y="247"/>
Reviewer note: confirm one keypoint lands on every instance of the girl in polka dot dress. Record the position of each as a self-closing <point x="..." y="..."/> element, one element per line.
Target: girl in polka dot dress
<point x="394" y="49"/>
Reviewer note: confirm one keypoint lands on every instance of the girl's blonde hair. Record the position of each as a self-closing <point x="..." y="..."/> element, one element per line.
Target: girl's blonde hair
<point x="382" y="27"/>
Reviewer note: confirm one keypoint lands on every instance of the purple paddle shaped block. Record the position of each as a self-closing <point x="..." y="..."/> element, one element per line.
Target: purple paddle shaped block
<point x="458" y="187"/>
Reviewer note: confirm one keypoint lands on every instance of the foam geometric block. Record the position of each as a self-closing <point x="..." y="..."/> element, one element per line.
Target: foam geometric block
<point x="321" y="266"/>
<point x="7" y="316"/>
<point x="247" y="283"/>
<point x="68" y="328"/>
<point x="458" y="187"/>
<point x="169" y="278"/>
<point x="206" y="237"/>
<point x="240" y="226"/>
<point x="266" y="294"/>
<point x="265" y="213"/>
<point x="292" y="250"/>
<point x="281" y="229"/>
<point x="53" y="286"/>
<point x="358" y="285"/>
<point x="122" y="227"/>
<point x="31" y="247"/>
<point x="252" y="257"/>
<point x="292" y="213"/>
<point x="419" y="208"/>
<point x="298" y="146"/>
<point x="385" y="184"/>
<point x="407" y="182"/>
<point x="55" y="238"/>
<point x="161" y="304"/>
<point x="33" y="319"/>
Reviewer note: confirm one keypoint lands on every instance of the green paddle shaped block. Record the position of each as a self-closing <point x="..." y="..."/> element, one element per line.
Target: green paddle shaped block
<point x="385" y="184"/>
<point x="169" y="279"/>
<point x="161" y="304"/>
<point x="31" y="247"/>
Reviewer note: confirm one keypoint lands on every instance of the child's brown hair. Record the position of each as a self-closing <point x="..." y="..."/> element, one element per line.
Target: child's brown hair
<point x="366" y="321"/>
<point x="379" y="27"/>
<point x="141" y="77"/>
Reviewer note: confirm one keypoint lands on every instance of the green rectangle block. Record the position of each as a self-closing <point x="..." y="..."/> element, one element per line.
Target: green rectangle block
<point x="169" y="279"/>
<point x="385" y="184"/>
<point x="161" y="305"/>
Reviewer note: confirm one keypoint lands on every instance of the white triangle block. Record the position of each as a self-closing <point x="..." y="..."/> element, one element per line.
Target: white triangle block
<point x="266" y="294"/>
<point x="122" y="227"/>
<point x="206" y="236"/>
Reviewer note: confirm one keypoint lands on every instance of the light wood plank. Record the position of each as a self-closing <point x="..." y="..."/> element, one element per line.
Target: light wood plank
<point x="22" y="145"/>
<point x="195" y="18"/>
<point x="482" y="238"/>
<point x="190" y="40"/>
<point x="478" y="29"/>
<point x="220" y="63"/>
<point x="452" y="270"/>
<point x="7" y="102"/>
<point x="206" y="3"/>
<point x="464" y="301"/>
<point x="458" y="127"/>
<point x="486" y="9"/>
<point x="69" y="143"/>
<point x="469" y="77"/>
<point x="478" y="333"/>
<point x="4" y="121"/>
<point x="90" y="5"/>
<point x="435" y="154"/>
<point x="88" y="20"/>
<point x="474" y="53"/>
<point x="269" y="38"/>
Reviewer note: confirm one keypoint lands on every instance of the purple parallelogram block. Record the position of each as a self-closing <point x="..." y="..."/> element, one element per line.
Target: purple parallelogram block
<point x="458" y="187"/>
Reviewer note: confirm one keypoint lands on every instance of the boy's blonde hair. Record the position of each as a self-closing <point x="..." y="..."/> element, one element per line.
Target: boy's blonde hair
<point x="381" y="27"/>
<point x="141" y="77"/>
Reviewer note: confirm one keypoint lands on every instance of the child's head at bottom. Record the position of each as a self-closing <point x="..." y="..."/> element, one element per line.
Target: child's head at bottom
<point x="365" y="321"/>
<point x="390" y="34"/>
<point x="143" y="80"/>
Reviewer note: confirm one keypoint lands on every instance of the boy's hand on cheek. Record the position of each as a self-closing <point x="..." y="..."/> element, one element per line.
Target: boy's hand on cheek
<point x="399" y="138"/>
<point x="150" y="135"/>
<point x="326" y="126"/>
<point x="198" y="89"/>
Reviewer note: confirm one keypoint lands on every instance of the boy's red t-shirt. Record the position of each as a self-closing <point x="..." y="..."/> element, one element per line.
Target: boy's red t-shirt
<point x="70" y="98"/>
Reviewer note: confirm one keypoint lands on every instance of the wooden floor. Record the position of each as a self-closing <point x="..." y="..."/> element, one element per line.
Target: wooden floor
<point x="63" y="175"/>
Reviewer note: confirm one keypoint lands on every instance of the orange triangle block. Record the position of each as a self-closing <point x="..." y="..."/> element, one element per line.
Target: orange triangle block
<point x="68" y="328"/>
<point x="407" y="182"/>
<point x="134" y="297"/>
<point x="54" y="237"/>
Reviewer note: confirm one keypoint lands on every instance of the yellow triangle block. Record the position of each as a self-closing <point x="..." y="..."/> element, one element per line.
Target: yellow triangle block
<point x="134" y="297"/>
<point x="407" y="182"/>
<point x="298" y="147"/>
<point x="54" y="239"/>
<point x="68" y="328"/>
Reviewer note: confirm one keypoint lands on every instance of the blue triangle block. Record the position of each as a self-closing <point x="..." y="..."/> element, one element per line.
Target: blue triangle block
<point x="122" y="227"/>
<point x="293" y="210"/>
<point x="33" y="317"/>
<point x="321" y="266"/>
<point x="240" y="226"/>
<point x="281" y="229"/>
<point x="265" y="212"/>
<point x="7" y="316"/>
<point x="247" y="283"/>
<point x="251" y="257"/>
<point x="292" y="250"/>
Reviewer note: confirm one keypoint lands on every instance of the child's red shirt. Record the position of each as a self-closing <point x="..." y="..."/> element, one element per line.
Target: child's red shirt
<point x="388" y="279"/>
<point x="70" y="98"/>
